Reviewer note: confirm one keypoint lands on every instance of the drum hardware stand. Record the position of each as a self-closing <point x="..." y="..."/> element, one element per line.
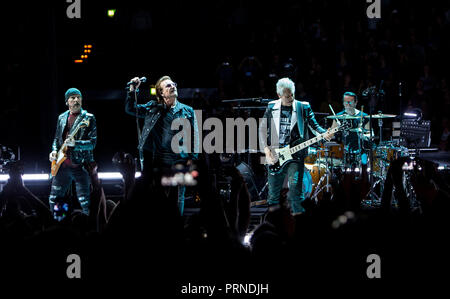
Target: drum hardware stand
<point x="327" y="154"/>
<point x="316" y="192"/>
<point x="374" y="96"/>
<point x="380" y="125"/>
<point x="344" y="134"/>
<point x="360" y="136"/>
<point x="328" y="185"/>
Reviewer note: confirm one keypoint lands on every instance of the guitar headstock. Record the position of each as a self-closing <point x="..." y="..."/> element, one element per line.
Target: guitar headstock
<point x="344" y="125"/>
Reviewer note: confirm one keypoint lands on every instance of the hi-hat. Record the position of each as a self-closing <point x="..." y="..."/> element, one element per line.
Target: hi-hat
<point x="343" y="117"/>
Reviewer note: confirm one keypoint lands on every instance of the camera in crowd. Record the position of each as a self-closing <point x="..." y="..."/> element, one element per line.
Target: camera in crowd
<point x="180" y="175"/>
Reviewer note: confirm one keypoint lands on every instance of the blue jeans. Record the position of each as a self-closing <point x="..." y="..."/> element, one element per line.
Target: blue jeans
<point x="294" y="171"/>
<point x="63" y="180"/>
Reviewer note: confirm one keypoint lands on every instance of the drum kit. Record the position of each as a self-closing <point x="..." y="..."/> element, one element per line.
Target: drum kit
<point x="323" y="161"/>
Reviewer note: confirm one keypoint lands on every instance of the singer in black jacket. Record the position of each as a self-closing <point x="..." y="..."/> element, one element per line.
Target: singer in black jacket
<point x="155" y="142"/>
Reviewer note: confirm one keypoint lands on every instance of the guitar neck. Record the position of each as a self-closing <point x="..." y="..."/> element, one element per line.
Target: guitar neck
<point x="311" y="141"/>
<point x="75" y="131"/>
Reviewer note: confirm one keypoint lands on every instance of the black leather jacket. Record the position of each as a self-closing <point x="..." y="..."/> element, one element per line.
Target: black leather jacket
<point x="85" y="139"/>
<point x="151" y="112"/>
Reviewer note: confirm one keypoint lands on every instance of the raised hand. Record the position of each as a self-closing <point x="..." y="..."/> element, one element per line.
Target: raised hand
<point x="137" y="82"/>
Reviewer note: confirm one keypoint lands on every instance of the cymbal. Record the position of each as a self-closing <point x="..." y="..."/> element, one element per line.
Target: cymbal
<point x="343" y="116"/>
<point x="381" y="116"/>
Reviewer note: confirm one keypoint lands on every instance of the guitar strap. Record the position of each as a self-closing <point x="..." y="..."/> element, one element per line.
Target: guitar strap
<point x="300" y="119"/>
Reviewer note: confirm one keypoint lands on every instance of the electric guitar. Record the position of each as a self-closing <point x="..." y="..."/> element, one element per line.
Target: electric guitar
<point x="284" y="155"/>
<point x="61" y="156"/>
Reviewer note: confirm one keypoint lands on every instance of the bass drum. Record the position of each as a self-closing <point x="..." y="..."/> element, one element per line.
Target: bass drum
<point x="312" y="175"/>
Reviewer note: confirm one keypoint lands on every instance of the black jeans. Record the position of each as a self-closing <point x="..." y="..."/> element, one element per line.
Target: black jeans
<point x="63" y="180"/>
<point x="162" y="167"/>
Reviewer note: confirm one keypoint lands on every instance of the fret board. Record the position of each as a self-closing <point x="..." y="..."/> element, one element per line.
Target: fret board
<point x="305" y="144"/>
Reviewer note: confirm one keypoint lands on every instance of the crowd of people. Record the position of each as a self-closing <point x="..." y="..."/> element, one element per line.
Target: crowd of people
<point x="141" y="235"/>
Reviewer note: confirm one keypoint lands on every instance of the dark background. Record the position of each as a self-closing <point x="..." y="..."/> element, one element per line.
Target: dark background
<point x="326" y="47"/>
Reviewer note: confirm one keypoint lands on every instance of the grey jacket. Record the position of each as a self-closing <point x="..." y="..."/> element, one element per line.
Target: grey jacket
<point x="302" y="116"/>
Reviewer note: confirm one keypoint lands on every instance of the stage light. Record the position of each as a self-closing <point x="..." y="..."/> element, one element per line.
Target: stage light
<point x="35" y="177"/>
<point x="114" y="175"/>
<point x="45" y="176"/>
<point x="415" y="114"/>
<point x="110" y="175"/>
<point x="27" y="177"/>
<point x="153" y="91"/>
<point x="78" y="61"/>
<point x="111" y="13"/>
<point x="410" y="114"/>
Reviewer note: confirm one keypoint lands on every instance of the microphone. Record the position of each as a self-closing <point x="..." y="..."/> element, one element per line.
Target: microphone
<point x="143" y="79"/>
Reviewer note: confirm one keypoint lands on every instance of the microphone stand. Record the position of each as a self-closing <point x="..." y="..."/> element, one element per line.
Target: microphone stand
<point x="138" y="129"/>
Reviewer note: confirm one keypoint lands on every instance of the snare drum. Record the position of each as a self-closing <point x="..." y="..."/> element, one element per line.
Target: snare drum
<point x="331" y="152"/>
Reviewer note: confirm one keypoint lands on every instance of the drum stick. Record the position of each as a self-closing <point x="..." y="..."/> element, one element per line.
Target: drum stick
<point x="337" y="120"/>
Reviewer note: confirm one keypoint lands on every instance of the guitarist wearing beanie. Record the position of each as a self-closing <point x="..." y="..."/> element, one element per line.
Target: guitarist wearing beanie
<point x="75" y="139"/>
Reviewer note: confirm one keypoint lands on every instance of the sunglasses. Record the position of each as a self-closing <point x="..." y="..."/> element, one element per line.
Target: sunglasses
<point x="170" y="85"/>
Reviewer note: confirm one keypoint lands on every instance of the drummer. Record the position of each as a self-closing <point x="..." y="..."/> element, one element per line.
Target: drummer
<point x="351" y="138"/>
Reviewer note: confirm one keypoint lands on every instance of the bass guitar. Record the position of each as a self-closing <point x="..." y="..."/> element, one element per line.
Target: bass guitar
<point x="284" y="155"/>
